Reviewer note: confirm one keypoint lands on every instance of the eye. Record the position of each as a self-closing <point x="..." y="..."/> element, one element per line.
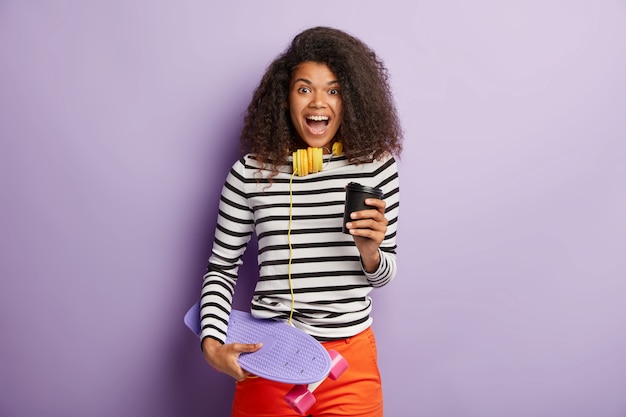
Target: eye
<point x="333" y="91"/>
<point x="304" y="90"/>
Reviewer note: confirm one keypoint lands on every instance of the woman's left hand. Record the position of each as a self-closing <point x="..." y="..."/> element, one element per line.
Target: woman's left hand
<point x="368" y="227"/>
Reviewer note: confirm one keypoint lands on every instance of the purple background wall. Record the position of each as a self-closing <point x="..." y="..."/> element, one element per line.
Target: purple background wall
<point x="119" y="120"/>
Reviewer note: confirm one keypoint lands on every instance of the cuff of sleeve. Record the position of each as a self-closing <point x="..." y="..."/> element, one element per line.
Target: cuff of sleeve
<point x="209" y="337"/>
<point x="384" y="273"/>
<point x="372" y="276"/>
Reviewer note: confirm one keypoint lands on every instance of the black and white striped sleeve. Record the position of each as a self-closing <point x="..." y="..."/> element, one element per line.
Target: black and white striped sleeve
<point x="235" y="224"/>
<point x="389" y="183"/>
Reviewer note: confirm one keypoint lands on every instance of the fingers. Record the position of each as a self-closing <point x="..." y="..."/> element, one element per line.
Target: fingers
<point x="224" y="358"/>
<point x="376" y="202"/>
<point x="238" y="373"/>
<point x="377" y="212"/>
<point x="368" y="222"/>
<point x="246" y="347"/>
<point x="368" y="229"/>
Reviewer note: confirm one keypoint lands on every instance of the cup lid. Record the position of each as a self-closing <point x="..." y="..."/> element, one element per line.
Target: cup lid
<point x="355" y="186"/>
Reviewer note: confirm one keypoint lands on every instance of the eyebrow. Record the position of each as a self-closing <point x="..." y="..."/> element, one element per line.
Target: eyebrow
<point x="309" y="82"/>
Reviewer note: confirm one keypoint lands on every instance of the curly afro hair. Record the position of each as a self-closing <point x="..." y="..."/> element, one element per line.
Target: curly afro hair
<point x="370" y="127"/>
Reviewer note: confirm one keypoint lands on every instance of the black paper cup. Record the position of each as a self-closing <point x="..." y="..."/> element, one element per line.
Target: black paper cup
<point x="355" y="200"/>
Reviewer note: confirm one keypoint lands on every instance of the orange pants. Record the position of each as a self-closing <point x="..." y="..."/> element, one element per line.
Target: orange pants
<point x="358" y="392"/>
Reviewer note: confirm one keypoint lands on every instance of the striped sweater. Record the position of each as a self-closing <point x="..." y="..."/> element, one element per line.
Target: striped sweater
<point x="329" y="284"/>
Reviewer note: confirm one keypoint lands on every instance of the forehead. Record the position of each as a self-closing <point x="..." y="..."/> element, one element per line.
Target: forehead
<point x="314" y="72"/>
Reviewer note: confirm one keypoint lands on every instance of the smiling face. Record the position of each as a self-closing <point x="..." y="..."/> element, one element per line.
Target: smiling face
<point x="315" y="104"/>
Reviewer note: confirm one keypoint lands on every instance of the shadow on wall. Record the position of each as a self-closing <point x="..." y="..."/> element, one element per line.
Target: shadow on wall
<point x="193" y="387"/>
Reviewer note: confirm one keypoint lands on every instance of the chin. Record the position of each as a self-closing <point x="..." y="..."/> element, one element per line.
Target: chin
<point x="318" y="143"/>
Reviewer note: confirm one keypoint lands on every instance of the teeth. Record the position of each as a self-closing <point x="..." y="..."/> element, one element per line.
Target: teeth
<point x="317" y="118"/>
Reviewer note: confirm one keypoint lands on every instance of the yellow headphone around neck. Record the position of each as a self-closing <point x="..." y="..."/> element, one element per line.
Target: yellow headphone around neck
<point x="305" y="161"/>
<point x="310" y="160"/>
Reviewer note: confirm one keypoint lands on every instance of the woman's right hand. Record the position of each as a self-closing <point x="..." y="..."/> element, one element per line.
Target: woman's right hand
<point x="224" y="357"/>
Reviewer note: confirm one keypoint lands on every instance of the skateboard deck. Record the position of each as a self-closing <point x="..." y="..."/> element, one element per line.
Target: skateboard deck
<point x="288" y="355"/>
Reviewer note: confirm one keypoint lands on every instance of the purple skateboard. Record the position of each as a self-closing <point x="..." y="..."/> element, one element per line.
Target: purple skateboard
<point x="288" y="354"/>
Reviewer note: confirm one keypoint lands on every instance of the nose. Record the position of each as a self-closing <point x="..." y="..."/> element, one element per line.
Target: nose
<point x="317" y="100"/>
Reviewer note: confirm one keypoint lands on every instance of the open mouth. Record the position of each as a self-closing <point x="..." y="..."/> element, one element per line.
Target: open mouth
<point x="317" y="124"/>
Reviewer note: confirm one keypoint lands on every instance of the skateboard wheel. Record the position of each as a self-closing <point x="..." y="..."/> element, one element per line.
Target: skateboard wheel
<point x="338" y="365"/>
<point x="300" y="399"/>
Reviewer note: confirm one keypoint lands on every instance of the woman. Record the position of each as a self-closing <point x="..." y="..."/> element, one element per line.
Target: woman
<point x="328" y="90"/>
